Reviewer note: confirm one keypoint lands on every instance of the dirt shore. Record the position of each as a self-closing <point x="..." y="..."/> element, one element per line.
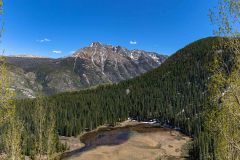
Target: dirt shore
<point x="133" y="141"/>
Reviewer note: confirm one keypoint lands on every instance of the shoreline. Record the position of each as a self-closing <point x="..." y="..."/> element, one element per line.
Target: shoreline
<point x="88" y="139"/>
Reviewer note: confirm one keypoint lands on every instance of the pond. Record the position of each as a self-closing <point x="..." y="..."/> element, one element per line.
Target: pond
<point x="138" y="141"/>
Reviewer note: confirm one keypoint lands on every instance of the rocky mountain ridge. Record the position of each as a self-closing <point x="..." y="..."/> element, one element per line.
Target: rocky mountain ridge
<point x="87" y="67"/>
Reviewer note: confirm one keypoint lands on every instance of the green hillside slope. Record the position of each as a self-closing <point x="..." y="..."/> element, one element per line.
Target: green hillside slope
<point x="179" y="93"/>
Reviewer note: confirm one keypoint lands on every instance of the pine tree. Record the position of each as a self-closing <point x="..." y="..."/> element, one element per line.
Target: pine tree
<point x="52" y="137"/>
<point x="46" y="137"/>
<point x="13" y="139"/>
<point x="40" y="121"/>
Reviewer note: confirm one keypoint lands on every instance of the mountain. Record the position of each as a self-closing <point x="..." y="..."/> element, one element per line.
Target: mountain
<point x="186" y="92"/>
<point x="89" y="66"/>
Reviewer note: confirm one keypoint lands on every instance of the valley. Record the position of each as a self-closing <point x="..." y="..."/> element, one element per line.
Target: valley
<point x="120" y="80"/>
<point x="177" y="94"/>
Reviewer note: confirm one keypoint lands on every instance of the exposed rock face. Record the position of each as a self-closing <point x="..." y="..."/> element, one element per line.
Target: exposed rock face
<point x="87" y="67"/>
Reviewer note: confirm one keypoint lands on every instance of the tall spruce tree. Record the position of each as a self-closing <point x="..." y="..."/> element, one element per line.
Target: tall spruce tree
<point x="13" y="139"/>
<point x="46" y="137"/>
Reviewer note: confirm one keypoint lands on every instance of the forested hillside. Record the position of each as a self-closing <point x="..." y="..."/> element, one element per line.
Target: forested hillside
<point x="178" y="93"/>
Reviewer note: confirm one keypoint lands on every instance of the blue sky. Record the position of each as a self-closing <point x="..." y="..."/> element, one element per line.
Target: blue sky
<point x="55" y="28"/>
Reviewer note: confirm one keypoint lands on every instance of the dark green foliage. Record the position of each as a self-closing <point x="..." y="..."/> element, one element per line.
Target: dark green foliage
<point x="33" y="113"/>
<point x="176" y="93"/>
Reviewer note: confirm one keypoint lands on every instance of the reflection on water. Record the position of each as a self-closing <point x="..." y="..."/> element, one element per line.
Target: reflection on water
<point x="101" y="138"/>
<point x="108" y="138"/>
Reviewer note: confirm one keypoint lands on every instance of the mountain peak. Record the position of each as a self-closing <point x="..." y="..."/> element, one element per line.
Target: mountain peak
<point x="96" y="44"/>
<point x="100" y="53"/>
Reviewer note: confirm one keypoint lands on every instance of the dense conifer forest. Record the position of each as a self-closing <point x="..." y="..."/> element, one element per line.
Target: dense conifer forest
<point x="178" y="94"/>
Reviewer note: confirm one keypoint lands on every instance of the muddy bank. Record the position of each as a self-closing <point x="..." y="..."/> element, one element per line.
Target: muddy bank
<point x="135" y="141"/>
